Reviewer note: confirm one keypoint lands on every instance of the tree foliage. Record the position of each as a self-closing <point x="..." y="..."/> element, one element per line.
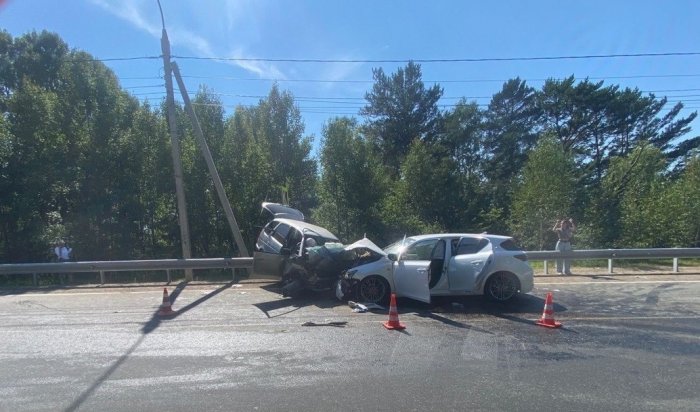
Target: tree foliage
<point x="82" y="159"/>
<point x="352" y="183"/>
<point x="400" y="109"/>
<point x="546" y="194"/>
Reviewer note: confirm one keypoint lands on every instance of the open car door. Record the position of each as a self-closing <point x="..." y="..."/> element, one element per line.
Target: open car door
<point x="411" y="271"/>
<point x="268" y="265"/>
<point x="411" y="279"/>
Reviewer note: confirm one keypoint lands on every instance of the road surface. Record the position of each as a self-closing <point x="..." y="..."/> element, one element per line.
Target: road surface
<point x="628" y="343"/>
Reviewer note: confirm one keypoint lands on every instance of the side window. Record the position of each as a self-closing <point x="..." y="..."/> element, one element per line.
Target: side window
<point x="280" y="233"/>
<point x="270" y="227"/>
<point x="419" y="250"/>
<point x="510" y="245"/>
<point x="470" y="245"/>
<point x="293" y="240"/>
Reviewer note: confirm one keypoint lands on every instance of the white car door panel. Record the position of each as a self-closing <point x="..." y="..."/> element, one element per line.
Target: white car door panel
<point x="411" y="279"/>
<point x="463" y="270"/>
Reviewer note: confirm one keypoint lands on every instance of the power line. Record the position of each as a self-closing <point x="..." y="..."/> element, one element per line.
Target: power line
<point x="442" y="60"/>
<point x="152" y="86"/>
<point x="361" y="100"/>
<point x="659" y="76"/>
<point x="434" y="81"/>
<point x="110" y="59"/>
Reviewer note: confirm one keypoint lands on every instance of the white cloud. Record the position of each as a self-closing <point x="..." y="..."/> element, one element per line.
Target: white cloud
<point x="129" y="10"/>
<point x="145" y="16"/>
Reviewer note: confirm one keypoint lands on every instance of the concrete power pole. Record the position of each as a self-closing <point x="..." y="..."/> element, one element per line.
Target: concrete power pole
<point x="175" y="143"/>
<point x="242" y="249"/>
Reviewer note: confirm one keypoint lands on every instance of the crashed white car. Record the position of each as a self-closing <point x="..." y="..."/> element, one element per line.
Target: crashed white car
<point x="304" y="256"/>
<point x="451" y="264"/>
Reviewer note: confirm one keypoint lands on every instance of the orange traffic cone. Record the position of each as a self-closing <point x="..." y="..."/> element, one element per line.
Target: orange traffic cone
<point x="165" y="308"/>
<point x="393" y="322"/>
<point x="547" y="318"/>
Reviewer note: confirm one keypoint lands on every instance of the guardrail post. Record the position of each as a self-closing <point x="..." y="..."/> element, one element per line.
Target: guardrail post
<point x="546" y="267"/>
<point x="102" y="277"/>
<point x="610" y="266"/>
<point x="675" y="265"/>
<point x="167" y="275"/>
<point x="35" y="279"/>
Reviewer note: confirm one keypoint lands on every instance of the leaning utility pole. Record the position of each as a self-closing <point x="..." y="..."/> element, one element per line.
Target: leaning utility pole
<point x="242" y="249"/>
<point x="175" y="142"/>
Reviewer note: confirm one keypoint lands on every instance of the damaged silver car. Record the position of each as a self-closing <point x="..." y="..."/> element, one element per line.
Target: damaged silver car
<point x="302" y="255"/>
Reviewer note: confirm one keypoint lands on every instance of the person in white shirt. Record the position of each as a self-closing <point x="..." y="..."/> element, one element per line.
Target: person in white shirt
<point x="63" y="251"/>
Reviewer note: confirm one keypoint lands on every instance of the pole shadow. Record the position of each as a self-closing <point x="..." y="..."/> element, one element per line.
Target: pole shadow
<point x="451" y="322"/>
<point x="147" y="328"/>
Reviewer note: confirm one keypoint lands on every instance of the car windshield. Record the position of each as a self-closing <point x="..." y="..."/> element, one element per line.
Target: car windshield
<point x="399" y="246"/>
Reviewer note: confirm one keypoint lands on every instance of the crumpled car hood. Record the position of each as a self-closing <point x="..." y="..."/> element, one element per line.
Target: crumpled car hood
<point x="367" y="244"/>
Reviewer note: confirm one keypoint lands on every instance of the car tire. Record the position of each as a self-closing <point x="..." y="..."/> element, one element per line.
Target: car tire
<point x="373" y="289"/>
<point x="502" y="287"/>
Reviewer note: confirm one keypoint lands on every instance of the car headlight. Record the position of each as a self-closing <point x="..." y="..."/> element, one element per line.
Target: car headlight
<point x="349" y="274"/>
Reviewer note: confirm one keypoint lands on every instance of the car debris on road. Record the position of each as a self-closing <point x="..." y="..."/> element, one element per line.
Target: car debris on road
<point x="337" y="324"/>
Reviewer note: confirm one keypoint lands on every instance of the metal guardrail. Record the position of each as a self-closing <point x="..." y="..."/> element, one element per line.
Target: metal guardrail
<point x="124" y="266"/>
<point x="167" y="265"/>
<point x="612" y="254"/>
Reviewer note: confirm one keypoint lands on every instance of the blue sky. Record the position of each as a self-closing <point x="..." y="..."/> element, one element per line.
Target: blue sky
<point x="376" y="30"/>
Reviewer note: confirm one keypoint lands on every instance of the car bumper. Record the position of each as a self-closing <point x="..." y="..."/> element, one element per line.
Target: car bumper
<point x="527" y="282"/>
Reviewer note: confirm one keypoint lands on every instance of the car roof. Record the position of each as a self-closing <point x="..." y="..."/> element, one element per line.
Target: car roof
<point x="300" y="225"/>
<point x="491" y="237"/>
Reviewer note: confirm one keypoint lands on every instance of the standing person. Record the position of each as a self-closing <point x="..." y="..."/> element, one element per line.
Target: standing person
<point x="565" y="230"/>
<point x="63" y="251"/>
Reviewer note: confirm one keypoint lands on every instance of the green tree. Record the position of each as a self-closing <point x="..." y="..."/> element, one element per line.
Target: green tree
<point x="248" y="171"/>
<point x="352" y="184"/>
<point x="426" y="198"/>
<point x="400" y="109"/>
<point x="464" y="138"/>
<point x="636" y="180"/>
<point x="510" y="132"/>
<point x="545" y="195"/>
<point x="685" y="195"/>
<point x="278" y="120"/>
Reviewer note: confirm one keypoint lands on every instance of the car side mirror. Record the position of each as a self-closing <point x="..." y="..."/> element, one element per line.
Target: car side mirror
<point x="285" y="251"/>
<point x="393" y="257"/>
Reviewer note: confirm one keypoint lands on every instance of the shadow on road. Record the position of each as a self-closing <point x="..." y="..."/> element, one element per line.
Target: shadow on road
<point x="321" y="300"/>
<point x="451" y="322"/>
<point x="523" y="304"/>
<point x="147" y="328"/>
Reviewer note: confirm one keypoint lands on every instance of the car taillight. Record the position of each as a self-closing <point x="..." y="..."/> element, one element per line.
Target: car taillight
<point x="522" y="257"/>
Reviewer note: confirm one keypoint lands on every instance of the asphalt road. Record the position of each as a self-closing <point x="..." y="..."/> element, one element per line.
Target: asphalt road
<point x="628" y="343"/>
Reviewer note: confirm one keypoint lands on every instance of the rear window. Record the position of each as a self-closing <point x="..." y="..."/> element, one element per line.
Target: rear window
<point x="510" y="245"/>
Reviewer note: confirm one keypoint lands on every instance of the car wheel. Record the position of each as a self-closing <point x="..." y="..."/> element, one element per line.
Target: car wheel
<point x="502" y="287"/>
<point x="373" y="289"/>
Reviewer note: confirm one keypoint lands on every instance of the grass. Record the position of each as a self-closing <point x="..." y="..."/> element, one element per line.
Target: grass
<point x="641" y="265"/>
